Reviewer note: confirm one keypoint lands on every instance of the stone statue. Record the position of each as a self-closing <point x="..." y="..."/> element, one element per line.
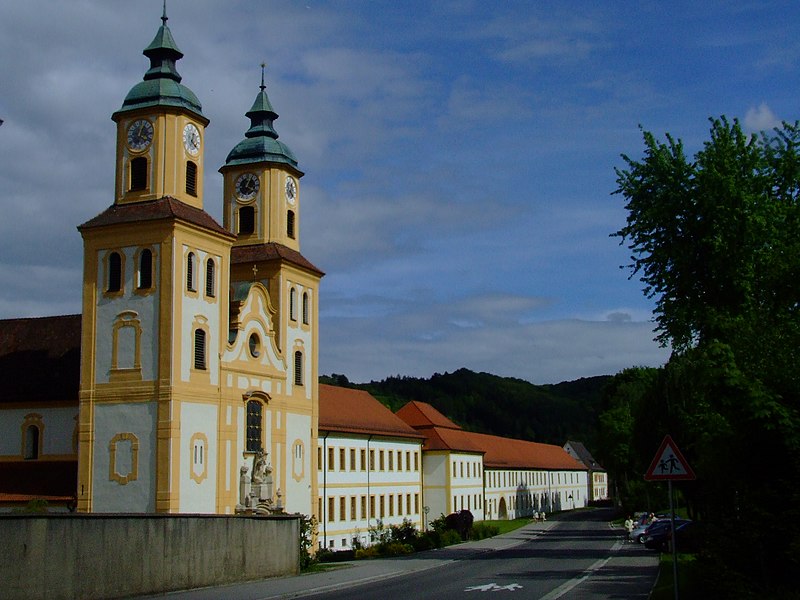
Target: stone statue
<point x="261" y="468"/>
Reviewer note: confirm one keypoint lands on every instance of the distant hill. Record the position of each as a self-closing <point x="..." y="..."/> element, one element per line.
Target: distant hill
<point x="499" y="405"/>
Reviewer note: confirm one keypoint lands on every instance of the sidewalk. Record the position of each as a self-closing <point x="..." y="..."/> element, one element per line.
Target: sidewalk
<point x="344" y="575"/>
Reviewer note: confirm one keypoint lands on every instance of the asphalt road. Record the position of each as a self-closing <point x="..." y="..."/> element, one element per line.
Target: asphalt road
<point x="574" y="556"/>
<point x="579" y="557"/>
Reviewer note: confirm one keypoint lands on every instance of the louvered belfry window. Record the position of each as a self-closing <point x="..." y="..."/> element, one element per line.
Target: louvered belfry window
<point x="210" y="284"/>
<point x="298" y="368"/>
<point x="138" y="174"/>
<point x="199" y="349"/>
<point x="190" y="272"/>
<point x="191" y="178"/>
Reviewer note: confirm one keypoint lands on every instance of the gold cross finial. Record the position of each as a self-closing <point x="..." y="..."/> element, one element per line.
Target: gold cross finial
<point x="255" y="272"/>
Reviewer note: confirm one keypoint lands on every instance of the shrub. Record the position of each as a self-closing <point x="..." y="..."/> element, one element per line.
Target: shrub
<point x="450" y="537"/>
<point x="308" y="530"/>
<point x="397" y="549"/>
<point x="405" y="533"/>
<point x="428" y="541"/>
<point x="461" y="522"/>
<point x="368" y="552"/>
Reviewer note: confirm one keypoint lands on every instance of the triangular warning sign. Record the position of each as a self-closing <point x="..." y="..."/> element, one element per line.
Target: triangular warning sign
<point x="669" y="464"/>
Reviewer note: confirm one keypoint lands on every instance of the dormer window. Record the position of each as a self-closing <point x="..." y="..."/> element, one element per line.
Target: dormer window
<point x="138" y="174"/>
<point x="191" y="178"/>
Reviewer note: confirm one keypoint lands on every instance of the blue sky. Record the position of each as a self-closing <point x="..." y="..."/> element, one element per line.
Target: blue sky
<point x="459" y="156"/>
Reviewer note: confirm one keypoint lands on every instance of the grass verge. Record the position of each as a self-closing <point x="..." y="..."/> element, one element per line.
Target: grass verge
<point x="688" y="574"/>
<point x="506" y="526"/>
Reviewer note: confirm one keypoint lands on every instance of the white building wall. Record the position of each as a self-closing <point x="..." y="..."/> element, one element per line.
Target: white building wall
<point x="198" y="458"/>
<point x="58" y="435"/>
<point x="297" y="465"/>
<point x="466" y="484"/>
<point x="138" y="423"/>
<point x="353" y="498"/>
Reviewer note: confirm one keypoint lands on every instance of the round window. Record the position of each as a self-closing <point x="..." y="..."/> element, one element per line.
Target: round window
<point x="255" y="345"/>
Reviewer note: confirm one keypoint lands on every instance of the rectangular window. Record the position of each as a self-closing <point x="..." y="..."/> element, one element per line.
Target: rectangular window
<point x="455" y="469"/>
<point x="319" y="459"/>
<point x="391" y="460"/>
<point x="371" y="506"/>
<point x="383" y="506"/>
<point x="416" y="461"/>
<point x="372" y="462"/>
<point x="342" y="466"/>
<point x="342" y="513"/>
<point x="352" y="459"/>
<point x="363" y="456"/>
<point x="363" y="507"/>
<point x="330" y="459"/>
<point x="331" y="507"/>
<point x="391" y="505"/>
<point x="380" y="460"/>
<point x="408" y="503"/>
<point x="353" y="516"/>
<point x="416" y="503"/>
<point x="408" y="461"/>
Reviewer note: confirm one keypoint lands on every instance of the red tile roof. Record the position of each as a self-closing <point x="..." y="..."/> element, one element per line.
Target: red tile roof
<point x="40" y="359"/>
<point x="345" y="410"/>
<point x="155" y="210"/>
<point x="271" y="251"/>
<point x="422" y="414"/>
<point x="498" y="452"/>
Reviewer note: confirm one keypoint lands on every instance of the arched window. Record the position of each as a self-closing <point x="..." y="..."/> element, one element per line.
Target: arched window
<point x="247" y="220"/>
<point x="293" y="304"/>
<point x="210" y="274"/>
<point x="145" y="270"/>
<point x="114" y="272"/>
<point x="305" y="308"/>
<point x="190" y="272"/>
<point x="191" y="178"/>
<point x="138" y="174"/>
<point x="254" y="425"/>
<point x="31" y="442"/>
<point x="199" y="349"/>
<point x="290" y="224"/>
<point x="298" y="368"/>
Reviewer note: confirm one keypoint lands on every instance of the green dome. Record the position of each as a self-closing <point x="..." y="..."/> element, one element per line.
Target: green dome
<point x="162" y="83"/>
<point x="261" y="140"/>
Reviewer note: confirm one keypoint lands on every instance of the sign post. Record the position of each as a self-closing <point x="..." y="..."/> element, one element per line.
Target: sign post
<point x="669" y="465"/>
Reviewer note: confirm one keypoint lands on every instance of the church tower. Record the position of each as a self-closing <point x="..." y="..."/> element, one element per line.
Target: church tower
<point x="155" y="313"/>
<point x="274" y="316"/>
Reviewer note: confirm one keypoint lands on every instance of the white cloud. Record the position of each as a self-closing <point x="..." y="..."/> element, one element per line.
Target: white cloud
<point x="760" y="118"/>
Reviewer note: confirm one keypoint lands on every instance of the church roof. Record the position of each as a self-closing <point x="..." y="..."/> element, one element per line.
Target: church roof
<point x="346" y="410"/>
<point x="40" y="359"/>
<point x="155" y="210"/>
<point x="260" y="143"/>
<point x="271" y="251"/>
<point x="161" y="85"/>
<point x="498" y="452"/>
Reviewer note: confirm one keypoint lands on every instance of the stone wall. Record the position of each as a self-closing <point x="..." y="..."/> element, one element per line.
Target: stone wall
<point x="108" y="556"/>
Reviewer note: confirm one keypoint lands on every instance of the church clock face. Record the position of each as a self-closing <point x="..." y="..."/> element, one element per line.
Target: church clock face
<point x="191" y="139"/>
<point x="140" y="134"/>
<point x="291" y="190"/>
<point x="247" y="186"/>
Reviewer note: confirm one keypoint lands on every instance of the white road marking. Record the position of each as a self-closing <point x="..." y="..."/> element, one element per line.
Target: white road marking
<point x="493" y="587"/>
<point x="575" y="582"/>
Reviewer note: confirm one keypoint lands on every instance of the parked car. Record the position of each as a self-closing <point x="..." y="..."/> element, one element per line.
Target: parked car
<point x="689" y="536"/>
<point x="655" y="537"/>
<point x="637" y="535"/>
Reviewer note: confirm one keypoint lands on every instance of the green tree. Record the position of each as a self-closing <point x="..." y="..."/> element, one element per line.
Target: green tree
<point x="715" y="242"/>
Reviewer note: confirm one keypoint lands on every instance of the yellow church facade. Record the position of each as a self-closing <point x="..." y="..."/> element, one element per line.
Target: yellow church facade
<point x="199" y="341"/>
